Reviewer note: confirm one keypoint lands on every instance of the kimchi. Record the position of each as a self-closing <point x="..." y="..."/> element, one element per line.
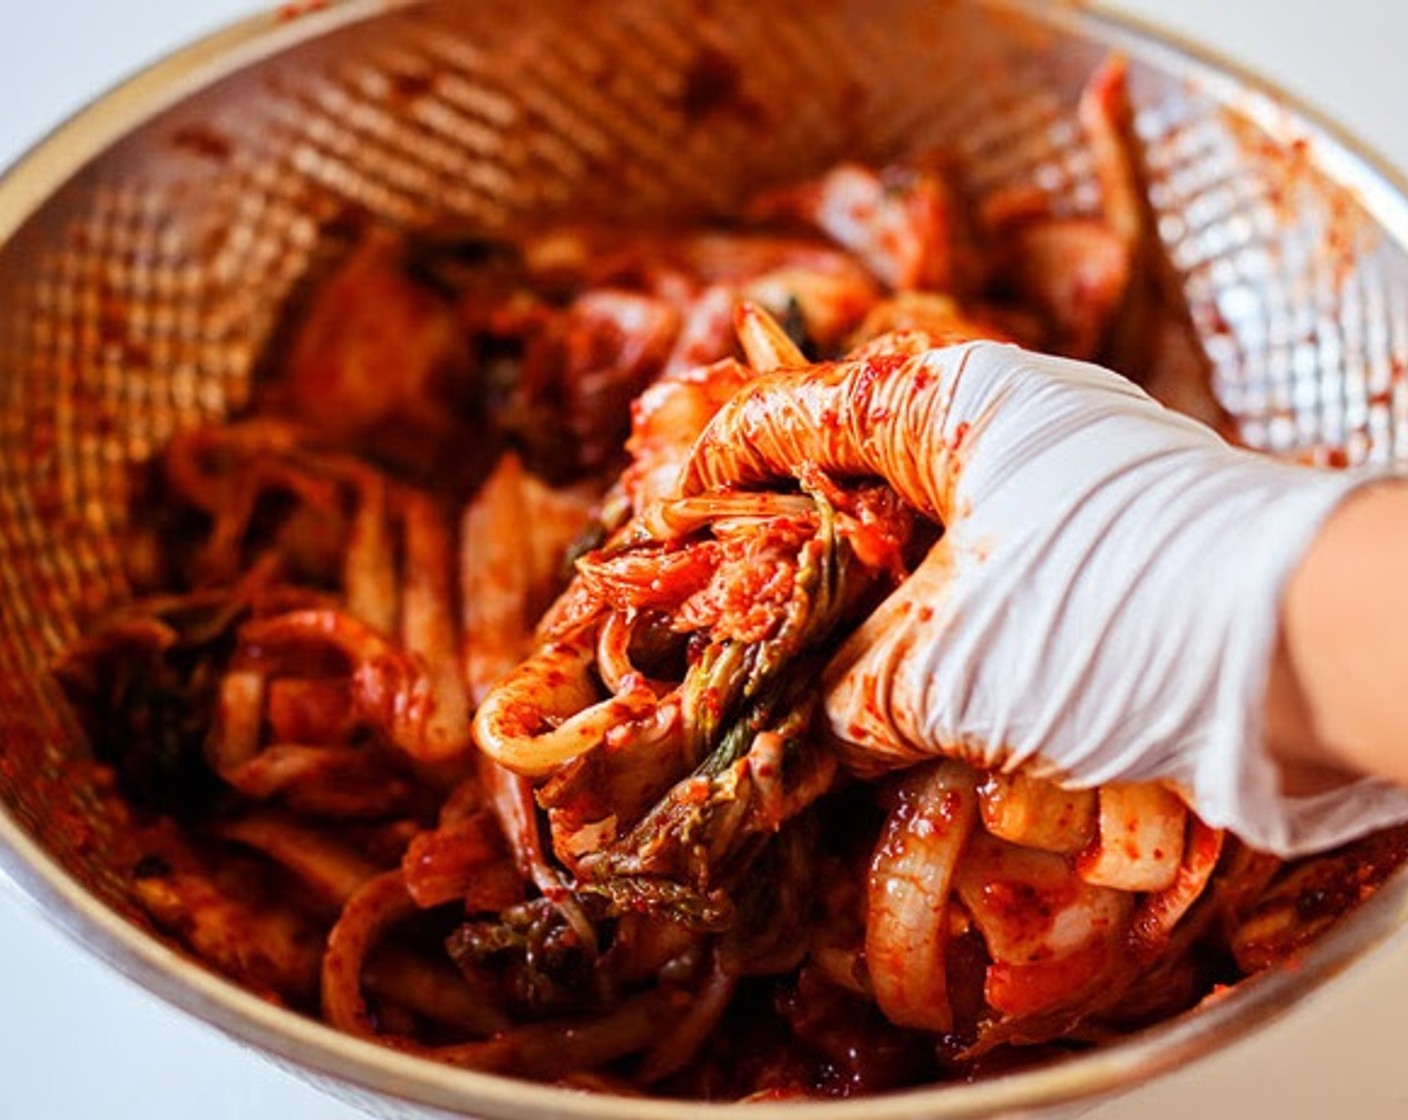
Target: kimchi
<point x="444" y="717"/>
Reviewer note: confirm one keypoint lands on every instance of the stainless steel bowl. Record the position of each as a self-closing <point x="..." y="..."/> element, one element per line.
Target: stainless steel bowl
<point x="146" y="246"/>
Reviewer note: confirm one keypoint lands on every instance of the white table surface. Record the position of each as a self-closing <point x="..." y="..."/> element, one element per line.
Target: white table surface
<point x="77" y="1041"/>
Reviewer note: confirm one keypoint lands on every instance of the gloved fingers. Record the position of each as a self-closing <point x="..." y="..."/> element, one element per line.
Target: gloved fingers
<point x="875" y="698"/>
<point x="885" y="416"/>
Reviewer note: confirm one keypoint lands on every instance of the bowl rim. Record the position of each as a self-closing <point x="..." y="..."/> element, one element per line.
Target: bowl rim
<point x="342" y="1062"/>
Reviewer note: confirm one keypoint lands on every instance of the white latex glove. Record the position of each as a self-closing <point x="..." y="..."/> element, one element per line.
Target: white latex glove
<point x="1104" y="604"/>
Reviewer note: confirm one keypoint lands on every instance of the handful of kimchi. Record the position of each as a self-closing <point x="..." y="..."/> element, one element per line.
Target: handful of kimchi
<point x="444" y="718"/>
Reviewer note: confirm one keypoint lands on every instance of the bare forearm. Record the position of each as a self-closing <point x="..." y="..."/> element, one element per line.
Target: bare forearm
<point x="1337" y="698"/>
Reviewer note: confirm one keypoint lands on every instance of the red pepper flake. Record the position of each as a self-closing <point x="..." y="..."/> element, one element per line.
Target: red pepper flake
<point x="286" y="13"/>
<point x="711" y="82"/>
<point x="410" y="87"/>
<point x="202" y="141"/>
<point x="881" y="366"/>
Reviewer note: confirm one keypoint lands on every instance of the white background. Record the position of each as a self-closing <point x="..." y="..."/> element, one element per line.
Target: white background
<point x="79" y="1042"/>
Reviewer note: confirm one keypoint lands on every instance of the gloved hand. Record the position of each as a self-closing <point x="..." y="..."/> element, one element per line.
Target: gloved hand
<point x="1104" y="602"/>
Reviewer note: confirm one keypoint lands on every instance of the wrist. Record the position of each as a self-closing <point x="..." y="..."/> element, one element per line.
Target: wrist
<point x="1335" y="692"/>
<point x="1160" y="599"/>
<point x="1288" y="744"/>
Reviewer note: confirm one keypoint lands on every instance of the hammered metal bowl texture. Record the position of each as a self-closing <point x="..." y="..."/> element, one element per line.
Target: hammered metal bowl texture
<point x="136" y="301"/>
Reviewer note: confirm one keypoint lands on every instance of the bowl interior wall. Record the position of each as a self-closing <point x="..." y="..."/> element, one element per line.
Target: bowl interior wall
<point x="136" y="302"/>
